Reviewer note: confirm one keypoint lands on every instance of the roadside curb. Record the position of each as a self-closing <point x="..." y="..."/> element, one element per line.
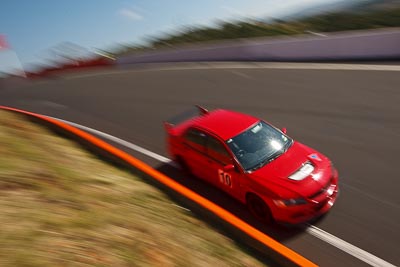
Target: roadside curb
<point x="283" y="254"/>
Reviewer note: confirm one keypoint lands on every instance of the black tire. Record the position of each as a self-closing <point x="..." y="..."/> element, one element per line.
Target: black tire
<point x="258" y="208"/>
<point x="182" y="163"/>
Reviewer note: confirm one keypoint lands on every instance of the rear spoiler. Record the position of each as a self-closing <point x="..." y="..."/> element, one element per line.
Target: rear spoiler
<point x="202" y="110"/>
<point x="196" y="111"/>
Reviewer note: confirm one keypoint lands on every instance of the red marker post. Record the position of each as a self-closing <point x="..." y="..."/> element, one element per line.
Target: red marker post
<point x="3" y="43"/>
<point x="9" y="62"/>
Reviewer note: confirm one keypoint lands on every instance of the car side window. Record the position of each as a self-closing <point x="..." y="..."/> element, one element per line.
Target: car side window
<point x="196" y="139"/>
<point x="217" y="151"/>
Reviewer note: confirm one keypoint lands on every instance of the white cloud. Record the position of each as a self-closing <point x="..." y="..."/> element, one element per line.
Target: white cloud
<point x="130" y="14"/>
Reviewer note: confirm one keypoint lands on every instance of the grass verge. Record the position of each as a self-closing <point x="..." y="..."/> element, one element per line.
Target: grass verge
<point x="62" y="206"/>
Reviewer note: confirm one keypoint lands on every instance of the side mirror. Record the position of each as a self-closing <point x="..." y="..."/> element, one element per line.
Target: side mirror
<point x="284" y="130"/>
<point x="229" y="167"/>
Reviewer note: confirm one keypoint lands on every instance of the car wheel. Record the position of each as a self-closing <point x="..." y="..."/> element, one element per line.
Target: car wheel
<point x="182" y="163"/>
<point x="258" y="208"/>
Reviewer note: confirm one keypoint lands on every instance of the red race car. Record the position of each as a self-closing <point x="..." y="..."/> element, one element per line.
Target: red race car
<point x="279" y="179"/>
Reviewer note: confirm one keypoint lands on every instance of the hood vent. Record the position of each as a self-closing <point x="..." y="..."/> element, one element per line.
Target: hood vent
<point x="303" y="172"/>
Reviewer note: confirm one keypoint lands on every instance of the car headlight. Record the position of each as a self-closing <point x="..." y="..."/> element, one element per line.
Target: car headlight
<point x="290" y="202"/>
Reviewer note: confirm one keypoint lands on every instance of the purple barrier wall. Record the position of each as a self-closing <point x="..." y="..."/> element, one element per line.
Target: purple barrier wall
<point x="359" y="45"/>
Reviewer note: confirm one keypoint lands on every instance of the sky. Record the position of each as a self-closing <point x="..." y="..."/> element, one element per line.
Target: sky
<point x="32" y="27"/>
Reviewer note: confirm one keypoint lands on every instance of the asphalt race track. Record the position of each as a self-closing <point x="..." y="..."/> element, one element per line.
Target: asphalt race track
<point x="352" y="116"/>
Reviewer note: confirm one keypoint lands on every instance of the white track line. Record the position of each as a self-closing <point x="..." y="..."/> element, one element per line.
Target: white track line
<point x="347" y="247"/>
<point x="120" y="141"/>
<point x="312" y="230"/>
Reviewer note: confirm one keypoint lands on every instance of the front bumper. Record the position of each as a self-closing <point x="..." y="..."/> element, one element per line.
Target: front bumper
<point x="316" y="206"/>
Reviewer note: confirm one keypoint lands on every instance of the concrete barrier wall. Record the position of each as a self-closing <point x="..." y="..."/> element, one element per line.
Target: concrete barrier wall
<point x="359" y="45"/>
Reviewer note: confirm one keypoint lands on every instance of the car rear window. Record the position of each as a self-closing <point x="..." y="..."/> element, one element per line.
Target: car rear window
<point x="196" y="139"/>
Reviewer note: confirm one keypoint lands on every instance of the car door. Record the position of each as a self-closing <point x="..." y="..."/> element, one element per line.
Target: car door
<point x="195" y="156"/>
<point x="218" y="158"/>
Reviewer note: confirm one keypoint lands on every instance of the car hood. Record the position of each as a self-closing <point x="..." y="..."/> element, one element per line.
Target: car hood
<point x="275" y="175"/>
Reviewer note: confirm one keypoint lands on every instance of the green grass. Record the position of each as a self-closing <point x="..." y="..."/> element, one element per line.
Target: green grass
<point x="62" y="206"/>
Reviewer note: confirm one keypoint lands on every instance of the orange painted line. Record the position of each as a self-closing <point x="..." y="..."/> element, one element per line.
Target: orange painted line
<point x="220" y="212"/>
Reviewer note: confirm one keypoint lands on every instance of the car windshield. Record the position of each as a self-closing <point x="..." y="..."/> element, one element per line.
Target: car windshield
<point x="258" y="145"/>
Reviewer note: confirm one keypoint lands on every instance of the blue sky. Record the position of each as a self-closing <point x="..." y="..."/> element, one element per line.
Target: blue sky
<point x="32" y="27"/>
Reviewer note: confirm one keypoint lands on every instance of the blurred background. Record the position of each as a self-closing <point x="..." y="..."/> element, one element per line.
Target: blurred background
<point x="42" y="36"/>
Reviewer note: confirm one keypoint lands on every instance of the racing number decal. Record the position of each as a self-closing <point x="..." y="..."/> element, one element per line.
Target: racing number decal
<point x="225" y="178"/>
